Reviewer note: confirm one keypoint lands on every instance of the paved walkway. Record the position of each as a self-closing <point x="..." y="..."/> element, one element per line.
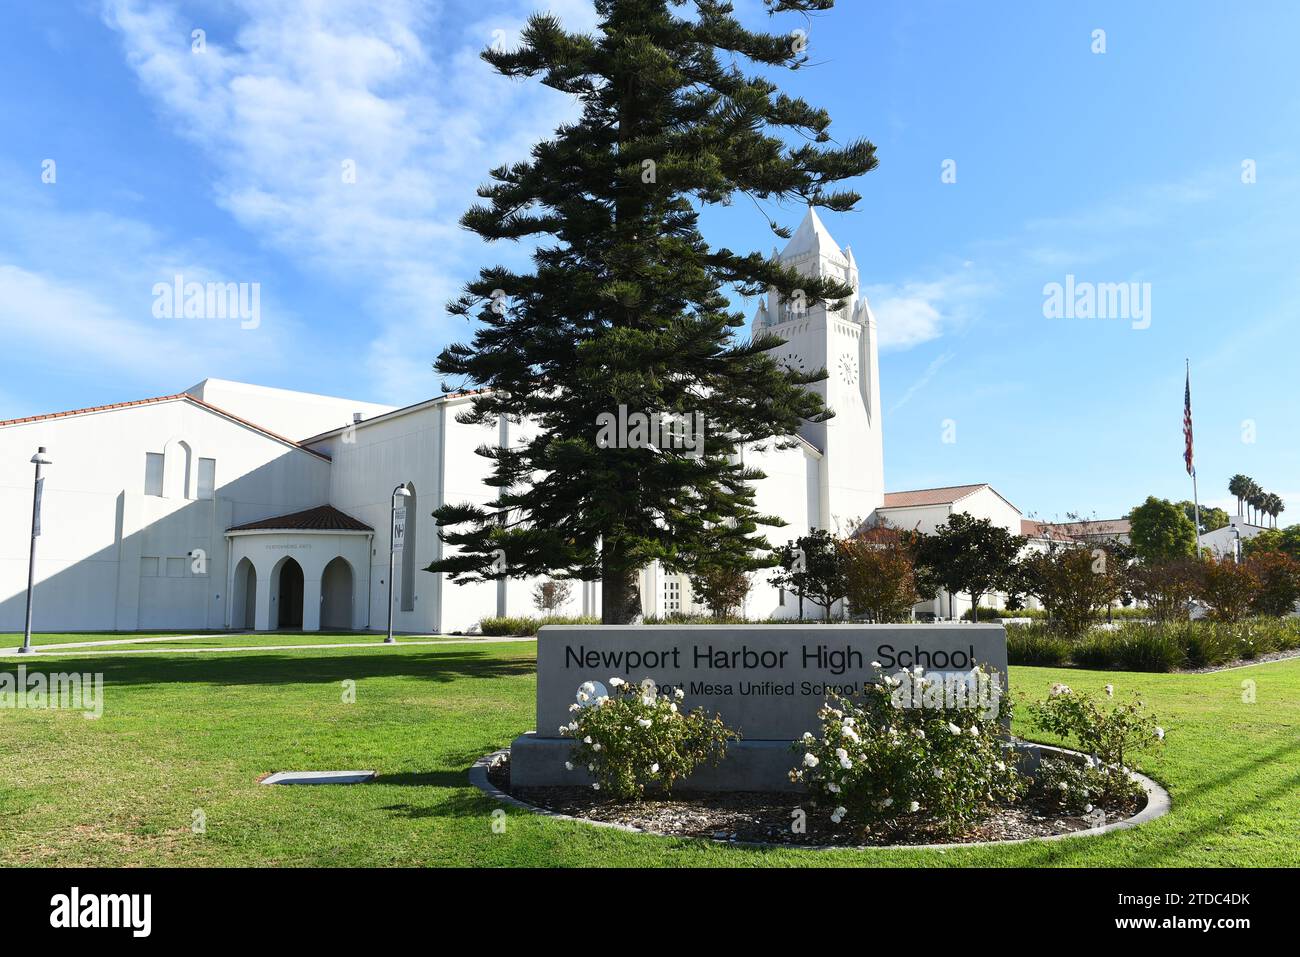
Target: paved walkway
<point x="79" y="647"/>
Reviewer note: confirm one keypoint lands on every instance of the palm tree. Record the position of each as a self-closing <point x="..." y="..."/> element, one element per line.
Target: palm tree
<point x="1253" y="496"/>
<point x="1238" y="486"/>
<point x="1273" y="506"/>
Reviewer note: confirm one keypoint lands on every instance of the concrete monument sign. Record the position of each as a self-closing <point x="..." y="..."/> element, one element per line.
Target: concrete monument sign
<point x="767" y="681"/>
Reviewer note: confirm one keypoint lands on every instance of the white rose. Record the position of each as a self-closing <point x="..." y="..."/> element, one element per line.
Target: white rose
<point x="810" y="760"/>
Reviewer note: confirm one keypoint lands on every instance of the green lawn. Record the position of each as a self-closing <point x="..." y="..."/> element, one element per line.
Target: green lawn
<point x="186" y="732"/>
<point x="15" y="639"/>
<point x="128" y="639"/>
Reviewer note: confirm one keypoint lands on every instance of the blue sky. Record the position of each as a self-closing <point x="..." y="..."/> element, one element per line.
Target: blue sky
<point x="1118" y="167"/>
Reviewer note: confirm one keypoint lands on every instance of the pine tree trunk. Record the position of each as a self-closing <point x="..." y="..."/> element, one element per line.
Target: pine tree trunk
<point x="620" y="598"/>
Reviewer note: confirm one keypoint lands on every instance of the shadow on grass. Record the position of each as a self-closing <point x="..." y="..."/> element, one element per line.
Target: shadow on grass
<point x="248" y="668"/>
<point x="1213" y="792"/>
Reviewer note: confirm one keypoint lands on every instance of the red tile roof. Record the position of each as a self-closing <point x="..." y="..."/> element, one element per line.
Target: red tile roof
<point x="96" y="408"/>
<point x="930" y="496"/>
<point x="1072" y="531"/>
<point x="179" y="396"/>
<point x="1107" y="526"/>
<point x="322" y="518"/>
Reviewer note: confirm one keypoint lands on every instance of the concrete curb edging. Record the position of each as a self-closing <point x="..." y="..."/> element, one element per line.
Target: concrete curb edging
<point x="1158" y="804"/>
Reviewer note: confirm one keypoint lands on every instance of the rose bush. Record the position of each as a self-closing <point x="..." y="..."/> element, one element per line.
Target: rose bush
<point x="1108" y="736"/>
<point x="635" y="737"/>
<point x="886" y="760"/>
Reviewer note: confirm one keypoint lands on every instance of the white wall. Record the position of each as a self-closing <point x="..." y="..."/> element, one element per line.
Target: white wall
<point x="295" y="415"/>
<point x="99" y="528"/>
<point x="412" y="447"/>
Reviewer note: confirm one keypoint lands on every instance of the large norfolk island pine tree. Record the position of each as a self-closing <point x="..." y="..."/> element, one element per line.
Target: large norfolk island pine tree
<point x="626" y="304"/>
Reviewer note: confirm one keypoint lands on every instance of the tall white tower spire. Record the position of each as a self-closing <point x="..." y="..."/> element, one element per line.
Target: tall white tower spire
<point x="844" y="343"/>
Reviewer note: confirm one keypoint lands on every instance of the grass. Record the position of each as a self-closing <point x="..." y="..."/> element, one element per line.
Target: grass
<point x="14" y="639"/>
<point x="115" y="640"/>
<point x="183" y="733"/>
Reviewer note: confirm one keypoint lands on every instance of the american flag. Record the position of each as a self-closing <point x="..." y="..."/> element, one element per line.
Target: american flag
<point x="1187" y="424"/>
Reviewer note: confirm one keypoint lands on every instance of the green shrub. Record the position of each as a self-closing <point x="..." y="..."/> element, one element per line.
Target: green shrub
<point x="1108" y="736"/>
<point x="885" y="760"/>
<point x="635" y="737"/>
<point x="523" y="626"/>
<point x="990" y="614"/>
<point x="1208" y="643"/>
<point x="1131" y="647"/>
<point x="1036" y="644"/>
<point x="1074" y="786"/>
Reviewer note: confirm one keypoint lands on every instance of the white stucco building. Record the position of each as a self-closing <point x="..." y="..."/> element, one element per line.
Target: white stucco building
<point x="238" y="506"/>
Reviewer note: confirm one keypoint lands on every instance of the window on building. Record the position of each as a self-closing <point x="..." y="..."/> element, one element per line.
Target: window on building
<point x="672" y="595"/>
<point x="148" y="568"/>
<point x="153" y="473"/>
<point x="207" y="478"/>
<point x="780" y="597"/>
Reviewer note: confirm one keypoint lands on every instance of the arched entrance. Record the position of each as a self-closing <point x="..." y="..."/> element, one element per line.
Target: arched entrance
<point x="336" y="595"/>
<point x="243" y="603"/>
<point x="289" y="603"/>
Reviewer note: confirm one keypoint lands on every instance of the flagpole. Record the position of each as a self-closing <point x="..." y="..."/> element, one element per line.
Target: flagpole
<point x="1196" y="502"/>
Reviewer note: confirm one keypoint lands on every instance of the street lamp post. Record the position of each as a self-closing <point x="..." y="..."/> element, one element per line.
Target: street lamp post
<point x="38" y="460"/>
<point x="400" y="492"/>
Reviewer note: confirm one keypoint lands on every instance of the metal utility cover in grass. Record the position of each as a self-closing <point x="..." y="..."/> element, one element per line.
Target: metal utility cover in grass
<point x="319" y="777"/>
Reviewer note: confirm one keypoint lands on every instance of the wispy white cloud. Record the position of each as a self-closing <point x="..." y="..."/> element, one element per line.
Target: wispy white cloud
<point x="302" y="94"/>
<point x="76" y="293"/>
<point x="911" y="313"/>
<point x="937" y="363"/>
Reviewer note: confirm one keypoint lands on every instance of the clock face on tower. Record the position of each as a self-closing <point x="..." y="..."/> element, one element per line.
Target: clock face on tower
<point x="849" y="370"/>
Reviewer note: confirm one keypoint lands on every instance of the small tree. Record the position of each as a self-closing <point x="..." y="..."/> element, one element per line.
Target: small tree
<point x="880" y="579"/>
<point x="811" y="567"/>
<point x="721" y="587"/>
<point x="551" y="595"/>
<point x="1279" y="583"/>
<point x="1167" y="587"/>
<point x="1161" y="531"/>
<point x="1074" y="582"/>
<point x="972" y="555"/>
<point x="1228" y="588"/>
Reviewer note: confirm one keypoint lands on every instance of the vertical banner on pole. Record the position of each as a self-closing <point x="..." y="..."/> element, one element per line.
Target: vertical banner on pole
<point x="399" y="528"/>
<point x="36" y="507"/>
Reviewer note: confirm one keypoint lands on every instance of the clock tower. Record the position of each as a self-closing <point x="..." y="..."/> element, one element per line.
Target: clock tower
<point x="844" y="343"/>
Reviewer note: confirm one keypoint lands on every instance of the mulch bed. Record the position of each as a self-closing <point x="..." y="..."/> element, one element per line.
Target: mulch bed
<point x="766" y="817"/>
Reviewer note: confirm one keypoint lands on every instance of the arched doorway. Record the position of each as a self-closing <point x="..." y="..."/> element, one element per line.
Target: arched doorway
<point x="336" y="595"/>
<point x="289" y="605"/>
<point x="243" y="603"/>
